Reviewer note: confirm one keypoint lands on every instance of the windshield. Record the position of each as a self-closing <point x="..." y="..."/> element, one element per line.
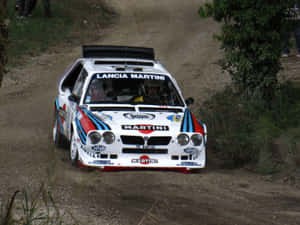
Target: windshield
<point x="132" y="88"/>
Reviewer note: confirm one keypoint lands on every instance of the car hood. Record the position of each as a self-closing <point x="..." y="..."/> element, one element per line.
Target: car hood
<point x="142" y="122"/>
<point x="137" y="123"/>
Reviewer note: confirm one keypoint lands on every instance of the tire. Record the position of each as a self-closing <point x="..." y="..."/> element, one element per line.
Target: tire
<point x="73" y="151"/>
<point x="58" y="138"/>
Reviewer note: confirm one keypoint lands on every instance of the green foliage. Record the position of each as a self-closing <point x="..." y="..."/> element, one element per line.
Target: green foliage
<point x="245" y="131"/>
<point x="72" y="21"/>
<point x="252" y="38"/>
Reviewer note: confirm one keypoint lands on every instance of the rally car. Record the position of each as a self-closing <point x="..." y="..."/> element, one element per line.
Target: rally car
<point x="119" y="108"/>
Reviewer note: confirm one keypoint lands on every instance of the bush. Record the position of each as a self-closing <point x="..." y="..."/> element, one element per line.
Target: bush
<point x="252" y="36"/>
<point x="244" y="132"/>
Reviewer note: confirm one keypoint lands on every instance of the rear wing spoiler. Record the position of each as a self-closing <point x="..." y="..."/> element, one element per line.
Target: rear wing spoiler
<point x="106" y="51"/>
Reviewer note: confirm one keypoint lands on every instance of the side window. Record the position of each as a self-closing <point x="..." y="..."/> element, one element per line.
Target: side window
<point x="71" y="78"/>
<point x="77" y="90"/>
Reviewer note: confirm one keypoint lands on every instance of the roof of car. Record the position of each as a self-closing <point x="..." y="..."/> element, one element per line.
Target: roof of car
<point x="107" y="58"/>
<point x="118" y="65"/>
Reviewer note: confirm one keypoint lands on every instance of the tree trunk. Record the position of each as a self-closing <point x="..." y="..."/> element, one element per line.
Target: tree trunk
<point x="3" y="39"/>
<point x="47" y="8"/>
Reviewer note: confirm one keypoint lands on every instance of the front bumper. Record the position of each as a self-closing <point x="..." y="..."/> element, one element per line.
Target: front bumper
<point x="116" y="157"/>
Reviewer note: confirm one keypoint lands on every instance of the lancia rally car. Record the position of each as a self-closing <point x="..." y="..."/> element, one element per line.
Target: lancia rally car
<point x="120" y="108"/>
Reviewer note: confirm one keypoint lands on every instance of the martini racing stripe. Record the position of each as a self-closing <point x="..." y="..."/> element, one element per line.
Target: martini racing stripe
<point x="59" y="119"/>
<point x="57" y="104"/>
<point x="97" y="122"/>
<point x="80" y="131"/>
<point x="198" y="125"/>
<point x="187" y="125"/>
<point x="190" y="124"/>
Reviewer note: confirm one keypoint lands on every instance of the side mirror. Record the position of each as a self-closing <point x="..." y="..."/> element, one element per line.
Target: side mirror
<point x="73" y="98"/>
<point x="189" y="101"/>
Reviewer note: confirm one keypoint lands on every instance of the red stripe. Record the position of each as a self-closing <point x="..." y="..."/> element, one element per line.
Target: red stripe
<point x="197" y="126"/>
<point x="86" y="123"/>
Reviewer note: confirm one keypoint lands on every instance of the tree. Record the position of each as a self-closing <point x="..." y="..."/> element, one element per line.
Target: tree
<point x="3" y="39"/>
<point x="47" y="8"/>
<point x="252" y="38"/>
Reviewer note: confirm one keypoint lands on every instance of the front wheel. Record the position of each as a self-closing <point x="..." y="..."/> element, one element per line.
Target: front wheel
<point x="58" y="138"/>
<point x="74" y="151"/>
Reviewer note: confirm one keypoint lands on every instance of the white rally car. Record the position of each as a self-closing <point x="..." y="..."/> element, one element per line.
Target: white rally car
<point x="119" y="108"/>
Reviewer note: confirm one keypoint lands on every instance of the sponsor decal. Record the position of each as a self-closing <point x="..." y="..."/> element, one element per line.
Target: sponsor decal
<point x="145" y="128"/>
<point x="142" y="76"/>
<point x="145" y="160"/>
<point x="107" y="117"/>
<point x="140" y="116"/>
<point x="104" y="116"/>
<point x="174" y="118"/>
<point x="193" y="151"/>
<point x="102" y="162"/>
<point x="98" y="148"/>
<point x="188" y="164"/>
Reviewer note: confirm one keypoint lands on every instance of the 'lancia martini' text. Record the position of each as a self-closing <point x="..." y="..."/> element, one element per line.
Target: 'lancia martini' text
<point x="130" y="76"/>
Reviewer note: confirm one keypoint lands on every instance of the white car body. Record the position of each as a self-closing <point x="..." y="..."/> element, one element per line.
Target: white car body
<point x="133" y="135"/>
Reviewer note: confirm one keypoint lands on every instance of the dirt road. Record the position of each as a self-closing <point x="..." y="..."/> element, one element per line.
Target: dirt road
<point x="184" y="44"/>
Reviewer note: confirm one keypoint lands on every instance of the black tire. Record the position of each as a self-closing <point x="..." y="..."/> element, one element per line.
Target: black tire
<point x="58" y="138"/>
<point x="73" y="151"/>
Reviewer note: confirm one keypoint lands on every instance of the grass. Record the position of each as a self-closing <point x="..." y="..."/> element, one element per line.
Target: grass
<point x="247" y="133"/>
<point x="73" y="22"/>
<point x="34" y="209"/>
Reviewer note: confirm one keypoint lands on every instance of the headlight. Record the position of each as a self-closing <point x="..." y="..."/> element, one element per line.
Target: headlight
<point x="196" y="139"/>
<point x="183" y="139"/>
<point x="108" y="137"/>
<point x="94" y="137"/>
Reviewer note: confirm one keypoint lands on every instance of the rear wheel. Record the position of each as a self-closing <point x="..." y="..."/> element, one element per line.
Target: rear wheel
<point x="74" y="151"/>
<point x="58" y="138"/>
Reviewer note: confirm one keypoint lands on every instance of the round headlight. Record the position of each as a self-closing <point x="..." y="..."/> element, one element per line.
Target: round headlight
<point x="108" y="137"/>
<point x="196" y="139"/>
<point x="94" y="137"/>
<point x="183" y="139"/>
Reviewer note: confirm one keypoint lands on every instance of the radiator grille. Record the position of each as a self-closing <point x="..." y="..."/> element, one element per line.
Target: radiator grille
<point x="132" y="140"/>
<point x="159" y="140"/>
<point x="144" y="151"/>
<point x="139" y="140"/>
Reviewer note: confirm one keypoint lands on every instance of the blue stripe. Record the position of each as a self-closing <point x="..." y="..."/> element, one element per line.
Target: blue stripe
<point x="57" y="104"/>
<point x="80" y="131"/>
<point x="104" y="126"/>
<point x="202" y="124"/>
<point x="81" y="136"/>
<point x="80" y="127"/>
<point x="58" y="116"/>
<point x="185" y="122"/>
<point x="100" y="125"/>
<point x="190" y="122"/>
